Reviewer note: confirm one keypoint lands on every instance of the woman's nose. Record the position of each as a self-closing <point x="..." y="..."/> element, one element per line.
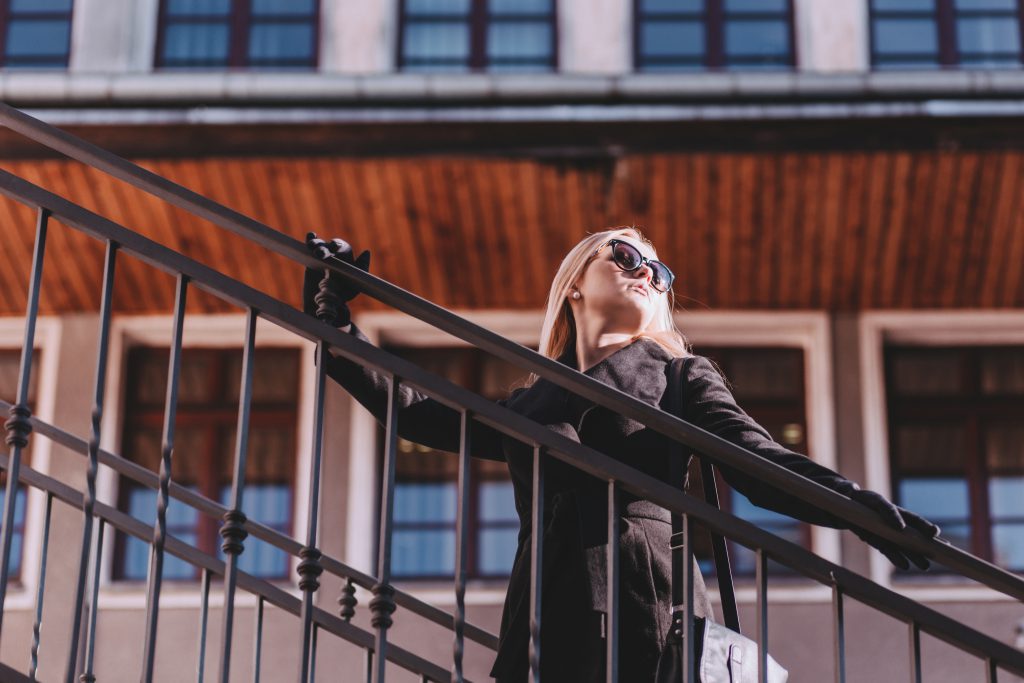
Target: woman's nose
<point x="645" y="272"/>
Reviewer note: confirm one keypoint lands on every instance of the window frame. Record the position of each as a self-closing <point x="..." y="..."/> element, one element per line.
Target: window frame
<point x="239" y="22"/>
<point x="714" y="19"/>
<point x="976" y="409"/>
<point x="6" y="14"/>
<point x="945" y="14"/>
<point x="208" y="485"/>
<point x="479" y="20"/>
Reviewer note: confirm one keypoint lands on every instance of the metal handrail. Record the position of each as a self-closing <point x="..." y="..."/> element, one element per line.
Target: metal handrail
<point x="512" y="424"/>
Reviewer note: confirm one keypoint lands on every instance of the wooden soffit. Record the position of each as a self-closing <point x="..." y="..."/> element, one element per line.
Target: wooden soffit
<point x="839" y="230"/>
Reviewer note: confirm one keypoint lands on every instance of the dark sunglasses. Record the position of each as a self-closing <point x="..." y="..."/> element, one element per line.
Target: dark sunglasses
<point x="628" y="258"/>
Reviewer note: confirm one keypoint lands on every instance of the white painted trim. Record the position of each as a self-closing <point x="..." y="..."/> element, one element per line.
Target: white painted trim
<point x="925" y="328"/>
<point x="223" y="331"/>
<point x="21" y="595"/>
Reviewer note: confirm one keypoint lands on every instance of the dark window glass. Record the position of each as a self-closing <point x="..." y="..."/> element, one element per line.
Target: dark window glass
<point x="478" y="35"/>
<point x="204" y="447"/>
<point x="699" y="34"/>
<point x="768" y="384"/>
<point x="426" y="498"/>
<point x="10" y="363"/>
<point x="931" y="33"/>
<point x="957" y="445"/>
<point x="35" y="33"/>
<point x="268" y="34"/>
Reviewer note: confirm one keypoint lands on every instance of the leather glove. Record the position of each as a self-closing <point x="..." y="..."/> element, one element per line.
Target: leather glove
<point x="897" y="518"/>
<point x="330" y="306"/>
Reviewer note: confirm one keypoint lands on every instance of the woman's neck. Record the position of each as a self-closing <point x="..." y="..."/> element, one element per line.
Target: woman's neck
<point x="593" y="346"/>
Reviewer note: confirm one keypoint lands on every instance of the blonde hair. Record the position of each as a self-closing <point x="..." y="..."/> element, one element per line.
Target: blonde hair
<point x="558" y="331"/>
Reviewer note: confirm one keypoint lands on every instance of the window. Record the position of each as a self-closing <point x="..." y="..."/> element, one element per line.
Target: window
<point x="477" y="35"/>
<point x="768" y="384"/>
<point x="238" y="33"/>
<point x="931" y="33"/>
<point x="957" y="444"/>
<point x="203" y="459"/>
<point x="679" y="35"/>
<point x="426" y="499"/>
<point x="35" y="33"/>
<point x="10" y="364"/>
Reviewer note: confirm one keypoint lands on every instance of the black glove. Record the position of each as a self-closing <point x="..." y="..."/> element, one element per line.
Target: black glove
<point x="330" y="306"/>
<point x="897" y="518"/>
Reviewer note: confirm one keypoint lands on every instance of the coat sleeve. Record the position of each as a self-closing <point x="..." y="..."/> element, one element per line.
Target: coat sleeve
<point x="421" y="419"/>
<point x="710" y="405"/>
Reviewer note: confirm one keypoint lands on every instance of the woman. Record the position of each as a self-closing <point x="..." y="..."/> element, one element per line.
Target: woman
<point x="609" y="315"/>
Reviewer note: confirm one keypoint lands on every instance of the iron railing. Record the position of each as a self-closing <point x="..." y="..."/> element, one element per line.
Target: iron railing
<point x="375" y="643"/>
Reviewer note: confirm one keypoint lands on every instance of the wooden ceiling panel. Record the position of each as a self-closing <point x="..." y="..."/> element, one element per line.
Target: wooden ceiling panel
<point x="772" y="230"/>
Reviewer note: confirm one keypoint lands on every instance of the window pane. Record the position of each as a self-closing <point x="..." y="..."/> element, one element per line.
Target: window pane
<point x="767" y="373"/>
<point x="1008" y="5"/>
<point x="200" y="7"/>
<point x="281" y="7"/>
<point x="1006" y="496"/>
<point x="673" y="38"/>
<point x="437" y="6"/>
<point x="756" y="38"/>
<point x="757" y="6"/>
<point x="425" y="502"/>
<point x="934" y="498"/>
<point x="423" y="553"/>
<point x="933" y="448"/>
<point x="1002" y="371"/>
<point x="926" y="373"/>
<point x="905" y="36"/>
<point x="669" y="6"/>
<point x="37" y="37"/>
<point x="987" y="34"/>
<point x="1008" y="545"/>
<point x="520" y="6"/>
<point x="507" y="40"/>
<point x="440" y="41"/>
<point x="207" y="43"/>
<point x="10" y="364"/>
<point x="1004" y="448"/>
<point x="496" y="502"/>
<point x="41" y="5"/>
<point x="904" y="5"/>
<point x="744" y="509"/>
<point x="497" y="551"/>
<point x="280" y="42"/>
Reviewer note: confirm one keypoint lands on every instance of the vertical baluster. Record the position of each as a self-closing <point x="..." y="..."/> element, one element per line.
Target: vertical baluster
<point x="18" y="426"/>
<point x="163" y="499"/>
<point x="89" y="499"/>
<point x="90" y="636"/>
<point x="312" y="655"/>
<point x="991" y="674"/>
<point x="688" y="627"/>
<point x="382" y="605"/>
<point x="762" y="615"/>
<point x="257" y="647"/>
<point x="204" y="611"/>
<point x="37" y="625"/>
<point x="233" y="531"/>
<point x="839" y="621"/>
<point x="368" y="663"/>
<point x="459" y="621"/>
<point x="915" y="652"/>
<point x="536" y="561"/>
<point x="612" y="619"/>
<point x="310" y="568"/>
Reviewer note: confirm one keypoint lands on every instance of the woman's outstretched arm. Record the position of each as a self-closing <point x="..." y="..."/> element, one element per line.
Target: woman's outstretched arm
<point x="710" y="405"/>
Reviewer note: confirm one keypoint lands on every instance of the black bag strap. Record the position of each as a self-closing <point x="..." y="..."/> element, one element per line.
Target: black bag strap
<point x="678" y="469"/>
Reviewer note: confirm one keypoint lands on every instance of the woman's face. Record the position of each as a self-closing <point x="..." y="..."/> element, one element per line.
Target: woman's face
<point x="625" y="299"/>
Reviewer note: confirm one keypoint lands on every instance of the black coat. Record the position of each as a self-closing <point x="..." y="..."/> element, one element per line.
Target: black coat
<point x="575" y="504"/>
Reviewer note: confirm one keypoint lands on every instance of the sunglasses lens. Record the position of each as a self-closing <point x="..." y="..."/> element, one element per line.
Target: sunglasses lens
<point x="661" y="276"/>
<point x="626" y="257"/>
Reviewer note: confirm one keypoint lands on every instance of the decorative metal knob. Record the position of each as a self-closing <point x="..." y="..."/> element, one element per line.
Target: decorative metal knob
<point x="18" y="426"/>
<point x="233" y="533"/>
<point x="382" y="606"/>
<point x="309" y="569"/>
<point x="347" y="600"/>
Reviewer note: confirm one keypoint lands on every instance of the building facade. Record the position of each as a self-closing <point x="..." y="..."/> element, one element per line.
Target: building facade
<point x="835" y="182"/>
